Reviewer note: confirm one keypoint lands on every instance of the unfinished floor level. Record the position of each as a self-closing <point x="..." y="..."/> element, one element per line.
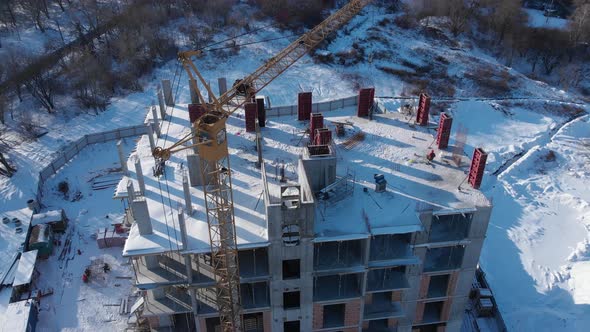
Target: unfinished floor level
<point x="373" y="229"/>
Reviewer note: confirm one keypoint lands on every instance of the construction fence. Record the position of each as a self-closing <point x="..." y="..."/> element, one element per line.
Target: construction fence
<point x="71" y="149"/>
<point x="325" y="106"/>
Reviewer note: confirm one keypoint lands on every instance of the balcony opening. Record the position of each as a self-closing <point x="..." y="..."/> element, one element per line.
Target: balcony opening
<point x="253" y="263"/>
<point x="213" y="324"/>
<point x="254" y="322"/>
<point x="334" y="315"/>
<point x="382" y="305"/>
<point x="255" y="295"/>
<point x="452" y="227"/>
<point x="446" y="258"/>
<point x="429" y="328"/>
<point x="438" y="286"/>
<point x="291" y="269"/>
<point x="292" y="326"/>
<point x="378" y="325"/>
<point x="432" y="312"/>
<point x="390" y="246"/>
<point x="336" y="287"/>
<point x="291" y="300"/>
<point x="387" y="279"/>
<point x="337" y="254"/>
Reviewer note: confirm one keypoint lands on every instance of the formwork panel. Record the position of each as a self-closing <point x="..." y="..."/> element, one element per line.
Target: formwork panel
<point x="423" y="110"/>
<point x="46" y="173"/>
<point x="304" y="106"/>
<point x="444" y="131"/>
<point x="477" y="168"/>
<point x="365" y="101"/>
<point x="250" y="110"/>
<point x="195" y="111"/>
<point x="71" y="151"/>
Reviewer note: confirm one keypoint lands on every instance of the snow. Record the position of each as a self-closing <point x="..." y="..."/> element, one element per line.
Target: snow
<point x="18" y="314"/>
<point x="538" y="20"/>
<point x="46" y="217"/>
<point x="75" y="305"/>
<point x="26" y="265"/>
<point x="10" y="241"/>
<point x="536" y="251"/>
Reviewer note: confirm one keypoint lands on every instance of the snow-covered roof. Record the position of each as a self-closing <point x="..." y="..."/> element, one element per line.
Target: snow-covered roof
<point x="10" y="240"/>
<point x="17" y="314"/>
<point x="26" y="266"/>
<point x="47" y="217"/>
<point x="392" y="147"/>
<point x="396" y="148"/>
<point x="251" y="229"/>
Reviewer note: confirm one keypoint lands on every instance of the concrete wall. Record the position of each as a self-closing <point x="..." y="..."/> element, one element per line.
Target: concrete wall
<point x="323" y="107"/>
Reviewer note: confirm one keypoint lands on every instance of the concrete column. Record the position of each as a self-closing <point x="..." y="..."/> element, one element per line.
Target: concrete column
<point x="130" y="191"/>
<point x="167" y="89"/>
<point x="194" y="95"/>
<point x="156" y="121"/>
<point x="182" y="226"/>
<point x="161" y="103"/>
<point x="150" y="135"/>
<point x="141" y="214"/>
<point x="122" y="157"/>
<point x="139" y="172"/>
<point x="195" y="139"/>
<point x="222" y="83"/>
<point x="187" y="195"/>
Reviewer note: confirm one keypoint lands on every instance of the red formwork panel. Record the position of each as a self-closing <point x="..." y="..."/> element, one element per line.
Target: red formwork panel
<point x="261" y="112"/>
<point x="304" y="106"/>
<point x="251" y="110"/>
<point x="423" y="110"/>
<point x="478" y="165"/>
<point x="195" y="111"/>
<point x="444" y="131"/>
<point x="317" y="122"/>
<point x="365" y="101"/>
<point x="323" y="136"/>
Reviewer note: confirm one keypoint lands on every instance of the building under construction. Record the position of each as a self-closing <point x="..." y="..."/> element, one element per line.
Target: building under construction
<point x="347" y="218"/>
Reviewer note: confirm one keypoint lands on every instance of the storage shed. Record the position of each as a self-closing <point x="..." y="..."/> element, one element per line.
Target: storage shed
<point x="56" y="218"/>
<point x="41" y="239"/>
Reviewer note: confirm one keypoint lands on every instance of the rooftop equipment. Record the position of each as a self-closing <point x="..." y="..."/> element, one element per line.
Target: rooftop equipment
<point x="380" y="183"/>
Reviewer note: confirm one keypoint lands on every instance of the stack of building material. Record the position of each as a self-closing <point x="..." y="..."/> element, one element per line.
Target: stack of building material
<point x="108" y="237"/>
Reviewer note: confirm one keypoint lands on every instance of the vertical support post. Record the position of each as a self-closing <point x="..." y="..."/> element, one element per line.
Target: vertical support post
<point x="423" y="110"/>
<point x="156" y="121"/>
<point x="122" y="157"/>
<point x="304" y="106"/>
<point x="187" y="195"/>
<point x="182" y="226"/>
<point x="195" y="140"/>
<point x="150" y="134"/>
<point x="130" y="191"/>
<point x="261" y="112"/>
<point x="139" y="173"/>
<point x="222" y="83"/>
<point x="161" y="103"/>
<point x="194" y="95"/>
<point x="167" y="88"/>
<point x="258" y="146"/>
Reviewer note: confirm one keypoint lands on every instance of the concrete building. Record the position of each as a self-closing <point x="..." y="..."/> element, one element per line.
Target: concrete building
<point x="322" y="245"/>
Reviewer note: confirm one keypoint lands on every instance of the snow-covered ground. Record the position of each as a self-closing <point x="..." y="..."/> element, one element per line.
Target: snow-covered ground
<point x="538" y="20"/>
<point x="536" y="253"/>
<point x="75" y="305"/>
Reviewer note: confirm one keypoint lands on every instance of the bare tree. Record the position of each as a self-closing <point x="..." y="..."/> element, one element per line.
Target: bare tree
<point x="43" y="87"/>
<point x="580" y="22"/>
<point x="34" y="8"/>
<point x="6" y="168"/>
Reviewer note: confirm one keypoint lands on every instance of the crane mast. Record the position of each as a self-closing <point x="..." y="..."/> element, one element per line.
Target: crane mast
<point x="211" y="136"/>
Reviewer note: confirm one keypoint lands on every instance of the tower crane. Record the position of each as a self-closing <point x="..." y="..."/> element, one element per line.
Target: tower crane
<point x="209" y="136"/>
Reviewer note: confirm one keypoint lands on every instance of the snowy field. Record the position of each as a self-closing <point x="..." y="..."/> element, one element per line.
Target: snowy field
<point x="537" y="249"/>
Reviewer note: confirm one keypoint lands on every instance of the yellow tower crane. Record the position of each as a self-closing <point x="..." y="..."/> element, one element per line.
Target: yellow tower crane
<point x="210" y="133"/>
